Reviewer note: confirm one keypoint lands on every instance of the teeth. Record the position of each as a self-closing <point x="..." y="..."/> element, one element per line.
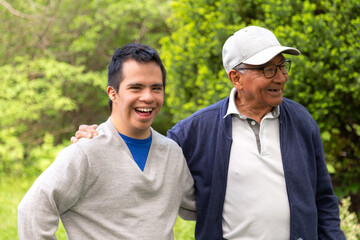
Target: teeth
<point x="144" y="109"/>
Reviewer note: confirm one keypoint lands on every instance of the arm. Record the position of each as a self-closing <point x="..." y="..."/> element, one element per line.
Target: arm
<point x="56" y="190"/>
<point x="85" y="131"/>
<point x="188" y="206"/>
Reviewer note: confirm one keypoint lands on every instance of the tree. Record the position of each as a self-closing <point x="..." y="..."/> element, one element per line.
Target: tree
<point x="79" y="32"/>
<point x="39" y="103"/>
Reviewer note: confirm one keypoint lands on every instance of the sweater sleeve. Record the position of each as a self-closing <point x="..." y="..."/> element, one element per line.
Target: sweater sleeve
<point x="55" y="191"/>
<point x="188" y="206"/>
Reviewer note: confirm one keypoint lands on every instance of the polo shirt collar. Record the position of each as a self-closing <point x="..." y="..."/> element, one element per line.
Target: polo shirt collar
<point x="232" y="109"/>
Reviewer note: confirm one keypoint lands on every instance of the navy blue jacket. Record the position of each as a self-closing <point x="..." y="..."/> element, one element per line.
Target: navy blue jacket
<point x="205" y="138"/>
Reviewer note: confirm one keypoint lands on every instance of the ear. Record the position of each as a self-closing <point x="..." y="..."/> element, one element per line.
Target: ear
<point x="111" y="93"/>
<point x="235" y="78"/>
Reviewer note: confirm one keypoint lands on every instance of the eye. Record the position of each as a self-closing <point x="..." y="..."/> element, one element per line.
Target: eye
<point x="284" y="68"/>
<point x="270" y="69"/>
<point x="134" y="87"/>
<point x="157" y="88"/>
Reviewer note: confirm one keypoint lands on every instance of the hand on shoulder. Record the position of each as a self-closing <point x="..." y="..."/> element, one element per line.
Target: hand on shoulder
<point x="85" y="131"/>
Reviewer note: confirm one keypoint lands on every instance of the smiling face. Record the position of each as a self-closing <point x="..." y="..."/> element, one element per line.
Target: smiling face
<point x="138" y="100"/>
<point x="256" y="93"/>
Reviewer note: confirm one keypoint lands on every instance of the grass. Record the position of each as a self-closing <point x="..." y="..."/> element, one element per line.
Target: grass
<point x="12" y="191"/>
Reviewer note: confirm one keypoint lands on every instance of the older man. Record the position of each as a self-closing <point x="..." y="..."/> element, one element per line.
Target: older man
<point x="257" y="158"/>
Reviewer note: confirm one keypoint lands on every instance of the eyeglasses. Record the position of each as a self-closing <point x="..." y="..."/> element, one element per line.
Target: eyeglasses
<point x="271" y="69"/>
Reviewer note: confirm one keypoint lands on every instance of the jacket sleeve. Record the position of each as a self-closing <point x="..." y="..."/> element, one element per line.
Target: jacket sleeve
<point x="326" y="202"/>
<point x="56" y="190"/>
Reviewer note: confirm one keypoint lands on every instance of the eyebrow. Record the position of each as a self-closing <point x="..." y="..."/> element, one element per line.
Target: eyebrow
<point x="282" y="60"/>
<point x="142" y="85"/>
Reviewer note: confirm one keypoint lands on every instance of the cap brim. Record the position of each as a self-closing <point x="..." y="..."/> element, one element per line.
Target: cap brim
<point x="269" y="53"/>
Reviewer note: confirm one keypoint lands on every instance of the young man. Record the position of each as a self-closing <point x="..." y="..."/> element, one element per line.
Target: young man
<point x="129" y="182"/>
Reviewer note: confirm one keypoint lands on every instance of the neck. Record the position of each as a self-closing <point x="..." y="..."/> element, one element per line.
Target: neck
<point x="137" y="134"/>
<point x="254" y="112"/>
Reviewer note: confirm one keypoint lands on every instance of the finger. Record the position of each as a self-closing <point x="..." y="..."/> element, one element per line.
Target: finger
<point x="89" y="128"/>
<point x="83" y="134"/>
<point x="94" y="127"/>
<point x="74" y="139"/>
<point x="84" y="127"/>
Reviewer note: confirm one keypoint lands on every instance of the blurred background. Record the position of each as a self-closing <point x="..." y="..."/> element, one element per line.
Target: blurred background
<point x="53" y="76"/>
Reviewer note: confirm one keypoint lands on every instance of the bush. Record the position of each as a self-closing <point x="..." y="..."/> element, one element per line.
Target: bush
<point x="349" y="221"/>
<point x="40" y="102"/>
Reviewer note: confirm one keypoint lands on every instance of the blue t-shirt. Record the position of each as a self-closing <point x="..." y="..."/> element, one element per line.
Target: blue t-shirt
<point x="139" y="149"/>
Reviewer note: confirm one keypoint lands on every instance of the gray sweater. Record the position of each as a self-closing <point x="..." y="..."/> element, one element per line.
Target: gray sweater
<point x="99" y="192"/>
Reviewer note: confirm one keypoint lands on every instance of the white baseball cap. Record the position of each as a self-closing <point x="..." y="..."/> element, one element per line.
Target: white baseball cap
<point x="252" y="45"/>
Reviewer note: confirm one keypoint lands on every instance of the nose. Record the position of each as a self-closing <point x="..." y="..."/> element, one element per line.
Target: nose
<point x="147" y="96"/>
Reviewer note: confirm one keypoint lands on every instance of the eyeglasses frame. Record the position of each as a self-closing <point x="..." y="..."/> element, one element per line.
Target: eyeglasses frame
<point x="263" y="68"/>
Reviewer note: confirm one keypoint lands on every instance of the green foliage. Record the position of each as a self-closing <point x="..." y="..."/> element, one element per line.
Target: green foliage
<point x="184" y="230"/>
<point x="39" y="102"/>
<point x="43" y="155"/>
<point x="79" y="32"/>
<point x="12" y="190"/>
<point x="349" y="222"/>
<point x="191" y="56"/>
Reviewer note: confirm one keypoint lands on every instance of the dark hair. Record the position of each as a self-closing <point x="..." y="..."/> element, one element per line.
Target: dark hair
<point x="136" y="51"/>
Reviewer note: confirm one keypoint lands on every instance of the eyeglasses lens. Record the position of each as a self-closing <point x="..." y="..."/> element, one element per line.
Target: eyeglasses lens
<point x="270" y="71"/>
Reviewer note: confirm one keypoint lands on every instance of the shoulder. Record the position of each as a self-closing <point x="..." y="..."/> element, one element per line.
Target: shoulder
<point x="107" y="142"/>
<point x="212" y="110"/>
<point x="291" y="105"/>
<point x="163" y="141"/>
<point x="297" y="113"/>
<point x="295" y="108"/>
<point x="204" y="122"/>
<point x="106" y="132"/>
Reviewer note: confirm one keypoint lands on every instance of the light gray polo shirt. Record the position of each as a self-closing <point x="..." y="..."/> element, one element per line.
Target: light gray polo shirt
<point x="256" y="204"/>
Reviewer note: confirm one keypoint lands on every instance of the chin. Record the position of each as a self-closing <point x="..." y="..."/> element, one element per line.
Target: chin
<point x="277" y="102"/>
<point x="144" y="126"/>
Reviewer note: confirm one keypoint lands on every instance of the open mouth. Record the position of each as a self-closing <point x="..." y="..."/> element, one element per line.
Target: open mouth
<point x="274" y="90"/>
<point x="144" y="112"/>
<point x="144" y="109"/>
